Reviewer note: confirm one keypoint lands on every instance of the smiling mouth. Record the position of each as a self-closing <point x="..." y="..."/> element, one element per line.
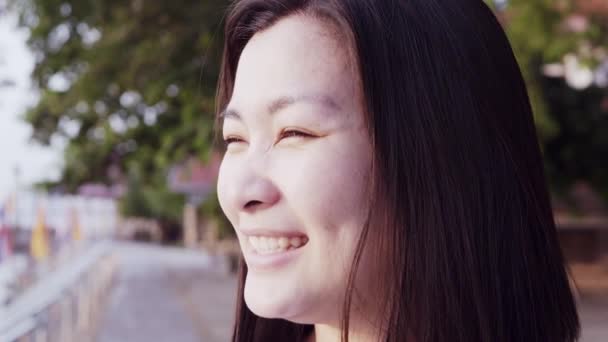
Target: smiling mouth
<point x="272" y="245"/>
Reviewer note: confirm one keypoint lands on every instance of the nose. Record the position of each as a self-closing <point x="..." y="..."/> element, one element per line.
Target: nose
<point x="247" y="184"/>
<point x="250" y="184"/>
<point x="257" y="193"/>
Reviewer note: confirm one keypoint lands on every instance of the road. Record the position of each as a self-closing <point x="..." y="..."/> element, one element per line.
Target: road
<point x="593" y="311"/>
<point x="168" y="295"/>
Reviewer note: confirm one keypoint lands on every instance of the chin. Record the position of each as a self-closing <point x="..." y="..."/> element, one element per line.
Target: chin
<point x="275" y="304"/>
<point x="265" y="305"/>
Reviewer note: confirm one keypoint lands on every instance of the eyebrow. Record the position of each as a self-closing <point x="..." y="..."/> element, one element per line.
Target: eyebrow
<point x="283" y="102"/>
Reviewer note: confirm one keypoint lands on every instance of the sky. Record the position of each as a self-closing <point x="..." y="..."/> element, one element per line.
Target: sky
<point x="35" y="162"/>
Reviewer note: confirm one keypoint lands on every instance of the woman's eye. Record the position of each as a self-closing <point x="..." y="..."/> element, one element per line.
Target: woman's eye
<point x="230" y="140"/>
<point x="293" y="134"/>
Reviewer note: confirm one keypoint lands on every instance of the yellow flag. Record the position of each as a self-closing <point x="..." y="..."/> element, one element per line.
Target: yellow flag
<point x="39" y="243"/>
<point x="75" y="226"/>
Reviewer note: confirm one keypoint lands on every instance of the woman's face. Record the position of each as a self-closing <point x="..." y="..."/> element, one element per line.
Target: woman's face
<point x="294" y="179"/>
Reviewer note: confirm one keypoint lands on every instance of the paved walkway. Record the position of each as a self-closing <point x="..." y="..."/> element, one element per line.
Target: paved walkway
<point x="593" y="311"/>
<point x="175" y="295"/>
<point x="168" y="295"/>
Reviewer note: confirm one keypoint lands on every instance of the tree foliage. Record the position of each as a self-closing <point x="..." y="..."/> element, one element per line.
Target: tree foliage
<point x="128" y="84"/>
<point x="572" y="122"/>
<point x="123" y="81"/>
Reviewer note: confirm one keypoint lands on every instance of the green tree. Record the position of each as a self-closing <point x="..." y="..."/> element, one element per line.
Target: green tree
<point x="572" y="123"/>
<point x="129" y="84"/>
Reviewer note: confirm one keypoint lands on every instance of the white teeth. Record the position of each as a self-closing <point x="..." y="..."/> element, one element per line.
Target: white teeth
<point x="267" y="244"/>
<point x="296" y="242"/>
<point x="263" y="243"/>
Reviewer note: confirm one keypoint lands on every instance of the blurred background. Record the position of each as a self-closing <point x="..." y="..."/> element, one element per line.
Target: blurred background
<point x="110" y="229"/>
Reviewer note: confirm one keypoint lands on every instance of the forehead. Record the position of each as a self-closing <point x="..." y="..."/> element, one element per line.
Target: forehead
<point x="297" y="55"/>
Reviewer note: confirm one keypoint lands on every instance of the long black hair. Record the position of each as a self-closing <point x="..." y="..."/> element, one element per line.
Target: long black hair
<point x="460" y="209"/>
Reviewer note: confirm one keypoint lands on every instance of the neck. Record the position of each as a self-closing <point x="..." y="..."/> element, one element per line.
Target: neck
<point x="367" y="321"/>
<point x="358" y="332"/>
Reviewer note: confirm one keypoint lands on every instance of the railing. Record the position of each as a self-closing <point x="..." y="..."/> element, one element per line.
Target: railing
<point x="64" y="305"/>
<point x="11" y="270"/>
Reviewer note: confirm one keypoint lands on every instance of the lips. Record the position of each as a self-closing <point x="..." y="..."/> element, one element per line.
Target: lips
<point x="265" y="241"/>
<point x="269" y="245"/>
<point x="267" y="248"/>
<point x="275" y="233"/>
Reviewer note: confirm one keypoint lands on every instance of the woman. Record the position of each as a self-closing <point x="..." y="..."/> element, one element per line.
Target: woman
<point x="383" y="176"/>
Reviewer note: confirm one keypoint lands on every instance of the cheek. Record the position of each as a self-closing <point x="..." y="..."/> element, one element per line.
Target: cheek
<point x="326" y="186"/>
<point x="224" y="189"/>
<point x="334" y="193"/>
<point x="336" y="181"/>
